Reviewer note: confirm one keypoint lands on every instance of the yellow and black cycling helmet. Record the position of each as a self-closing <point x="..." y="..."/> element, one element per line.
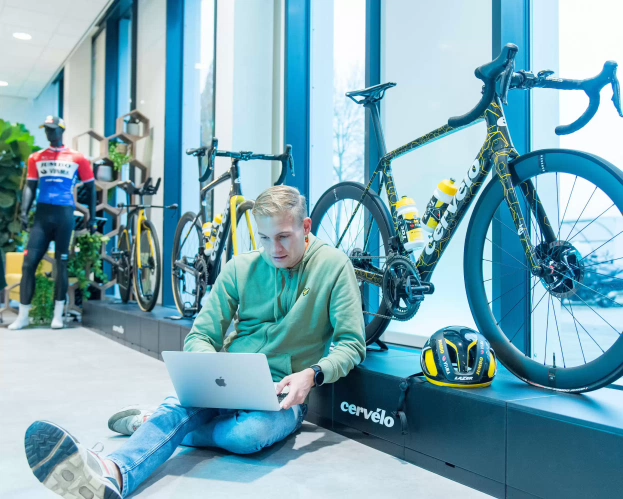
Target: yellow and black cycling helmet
<point x="458" y="357"/>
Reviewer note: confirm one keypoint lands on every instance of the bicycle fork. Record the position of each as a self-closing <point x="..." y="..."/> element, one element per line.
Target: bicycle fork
<point x="234" y="202"/>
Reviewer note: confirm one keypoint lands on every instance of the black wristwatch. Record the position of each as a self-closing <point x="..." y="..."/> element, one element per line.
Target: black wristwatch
<point x="318" y="375"/>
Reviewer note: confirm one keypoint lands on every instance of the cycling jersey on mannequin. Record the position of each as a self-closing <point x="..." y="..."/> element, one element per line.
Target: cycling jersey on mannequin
<point x="57" y="169"/>
<point x="54" y="172"/>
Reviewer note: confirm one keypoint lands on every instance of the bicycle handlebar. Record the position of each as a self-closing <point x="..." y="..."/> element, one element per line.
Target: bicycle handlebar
<point x="591" y="86"/>
<point x="212" y="152"/>
<point x="489" y="73"/>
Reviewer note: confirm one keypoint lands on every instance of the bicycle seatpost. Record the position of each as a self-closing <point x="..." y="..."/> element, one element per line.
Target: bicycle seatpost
<point x="378" y="130"/>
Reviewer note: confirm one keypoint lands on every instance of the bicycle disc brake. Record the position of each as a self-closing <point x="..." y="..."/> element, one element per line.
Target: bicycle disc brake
<point x="563" y="269"/>
<point x="402" y="288"/>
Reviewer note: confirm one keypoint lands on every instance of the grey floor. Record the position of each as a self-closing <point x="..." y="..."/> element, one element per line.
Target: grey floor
<point x="77" y="378"/>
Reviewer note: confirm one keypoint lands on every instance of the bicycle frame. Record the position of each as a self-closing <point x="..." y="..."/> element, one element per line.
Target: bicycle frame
<point x="496" y="153"/>
<point x="235" y="199"/>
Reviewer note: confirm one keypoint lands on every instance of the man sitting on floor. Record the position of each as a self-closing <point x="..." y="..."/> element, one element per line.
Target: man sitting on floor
<point x="293" y="299"/>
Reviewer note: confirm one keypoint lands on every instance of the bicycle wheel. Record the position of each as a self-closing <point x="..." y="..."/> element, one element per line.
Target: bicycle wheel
<point x="366" y="242"/>
<point x="124" y="265"/>
<point x="147" y="274"/>
<point x="245" y="243"/>
<point x="572" y="341"/>
<point x="188" y="287"/>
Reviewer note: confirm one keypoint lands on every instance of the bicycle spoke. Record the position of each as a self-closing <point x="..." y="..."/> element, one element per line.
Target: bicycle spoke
<point x="504" y="275"/>
<point x="558" y="204"/>
<point x="606" y="275"/>
<point x="576" y="331"/>
<point x="578" y="322"/>
<point x="518" y="261"/>
<point x="559" y="340"/>
<point x="506" y="314"/>
<point x="504" y="294"/>
<point x="566" y="207"/>
<point x="599" y="315"/>
<point x="594" y="220"/>
<point x="531" y="313"/>
<point x="601" y="263"/>
<point x="582" y="212"/>
<point x="549" y="301"/>
<point x="588" y="287"/>
<point x="617" y="235"/>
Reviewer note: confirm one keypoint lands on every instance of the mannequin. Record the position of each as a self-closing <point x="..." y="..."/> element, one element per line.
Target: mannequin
<point x="57" y="168"/>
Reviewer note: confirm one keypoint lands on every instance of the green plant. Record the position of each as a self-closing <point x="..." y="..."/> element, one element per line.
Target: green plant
<point x="118" y="158"/>
<point x="87" y="259"/>
<point x="42" y="309"/>
<point x="16" y="145"/>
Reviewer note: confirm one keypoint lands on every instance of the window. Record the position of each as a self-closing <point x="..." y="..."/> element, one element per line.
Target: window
<point x="574" y="39"/>
<point x="433" y="64"/>
<point x="338" y="65"/>
<point x="199" y="86"/>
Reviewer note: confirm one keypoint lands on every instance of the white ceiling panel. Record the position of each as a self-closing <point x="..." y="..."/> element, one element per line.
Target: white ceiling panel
<point x="31" y="20"/>
<point x="51" y="7"/>
<point x="56" y="27"/>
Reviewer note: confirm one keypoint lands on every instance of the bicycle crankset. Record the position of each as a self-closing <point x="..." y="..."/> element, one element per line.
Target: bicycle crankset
<point x="403" y="290"/>
<point x="563" y="270"/>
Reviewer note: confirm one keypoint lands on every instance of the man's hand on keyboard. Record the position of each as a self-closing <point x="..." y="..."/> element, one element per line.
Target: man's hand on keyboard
<point x="300" y="385"/>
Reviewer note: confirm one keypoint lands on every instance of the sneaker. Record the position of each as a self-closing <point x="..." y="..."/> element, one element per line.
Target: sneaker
<point x="65" y="466"/>
<point x="128" y="420"/>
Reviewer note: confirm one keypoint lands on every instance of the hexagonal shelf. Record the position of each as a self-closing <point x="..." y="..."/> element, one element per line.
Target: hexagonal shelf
<point x="130" y="128"/>
<point x="75" y="143"/>
<point x="135" y="124"/>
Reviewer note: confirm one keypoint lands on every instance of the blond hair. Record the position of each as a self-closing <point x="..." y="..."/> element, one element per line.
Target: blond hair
<point x="279" y="200"/>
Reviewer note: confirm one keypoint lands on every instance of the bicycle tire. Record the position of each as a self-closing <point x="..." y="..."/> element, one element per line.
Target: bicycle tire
<point x="177" y="280"/>
<point x="240" y="212"/>
<point x="147" y="302"/>
<point x="354" y="191"/>
<point x="124" y="265"/>
<point x="600" y="371"/>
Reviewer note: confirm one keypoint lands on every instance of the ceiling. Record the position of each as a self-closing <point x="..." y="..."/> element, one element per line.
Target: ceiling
<point x="56" y="27"/>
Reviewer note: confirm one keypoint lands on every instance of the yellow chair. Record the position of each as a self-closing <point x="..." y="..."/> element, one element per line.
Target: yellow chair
<point x="14" y="262"/>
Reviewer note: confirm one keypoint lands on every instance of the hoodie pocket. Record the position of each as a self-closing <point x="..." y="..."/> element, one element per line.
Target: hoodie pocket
<point x="281" y="364"/>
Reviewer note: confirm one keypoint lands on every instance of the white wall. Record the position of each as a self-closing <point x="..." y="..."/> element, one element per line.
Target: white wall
<point x="31" y="112"/>
<point x="150" y="96"/>
<point x="430" y="49"/>
<point x="77" y="96"/>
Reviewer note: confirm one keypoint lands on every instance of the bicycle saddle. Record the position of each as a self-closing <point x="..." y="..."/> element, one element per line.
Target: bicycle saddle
<point x="370" y="94"/>
<point x="129" y="187"/>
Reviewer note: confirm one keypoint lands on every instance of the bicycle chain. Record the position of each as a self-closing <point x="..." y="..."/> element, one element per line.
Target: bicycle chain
<point x="379" y="315"/>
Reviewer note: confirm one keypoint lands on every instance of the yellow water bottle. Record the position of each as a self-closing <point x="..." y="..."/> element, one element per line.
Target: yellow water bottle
<point x="442" y="197"/>
<point x="216" y="227"/>
<point x="410" y="229"/>
<point x="207" y="234"/>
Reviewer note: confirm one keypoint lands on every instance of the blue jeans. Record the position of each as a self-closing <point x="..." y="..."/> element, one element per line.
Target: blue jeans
<point x="240" y="432"/>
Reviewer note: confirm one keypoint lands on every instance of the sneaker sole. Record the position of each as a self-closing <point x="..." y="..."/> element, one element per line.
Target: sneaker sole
<point x="55" y="459"/>
<point x="123" y="413"/>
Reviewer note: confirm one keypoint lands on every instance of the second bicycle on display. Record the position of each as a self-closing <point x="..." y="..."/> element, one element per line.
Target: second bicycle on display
<point x="200" y="243"/>
<point x="136" y="261"/>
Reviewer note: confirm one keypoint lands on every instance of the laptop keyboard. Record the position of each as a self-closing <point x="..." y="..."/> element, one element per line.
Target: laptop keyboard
<point x="281" y="396"/>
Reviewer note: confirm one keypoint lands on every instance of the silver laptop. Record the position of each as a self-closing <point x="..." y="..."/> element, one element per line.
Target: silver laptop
<point x="222" y="380"/>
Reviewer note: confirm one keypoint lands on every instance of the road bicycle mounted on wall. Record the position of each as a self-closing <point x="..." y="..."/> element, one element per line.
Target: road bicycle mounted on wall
<point x="524" y="276"/>
<point x="199" y="245"/>
<point x="136" y="260"/>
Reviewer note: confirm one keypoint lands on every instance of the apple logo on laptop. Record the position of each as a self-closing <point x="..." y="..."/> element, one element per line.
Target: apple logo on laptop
<point x="220" y="381"/>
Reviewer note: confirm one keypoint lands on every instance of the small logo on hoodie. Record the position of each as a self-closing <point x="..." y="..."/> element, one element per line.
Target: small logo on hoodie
<point x="305" y="291"/>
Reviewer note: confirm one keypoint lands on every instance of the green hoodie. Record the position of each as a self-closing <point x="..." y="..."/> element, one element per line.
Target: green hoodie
<point x="290" y="315"/>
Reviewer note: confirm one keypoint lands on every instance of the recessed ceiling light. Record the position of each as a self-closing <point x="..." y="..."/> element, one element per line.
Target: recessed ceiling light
<point x="4" y="83"/>
<point x="22" y="36"/>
